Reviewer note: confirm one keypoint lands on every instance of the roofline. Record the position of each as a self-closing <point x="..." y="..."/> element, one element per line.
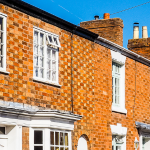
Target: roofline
<point x="74" y="29"/>
<point x="49" y="18"/>
<point x="122" y="50"/>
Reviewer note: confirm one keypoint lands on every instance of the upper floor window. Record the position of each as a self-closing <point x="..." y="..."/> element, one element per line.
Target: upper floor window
<point x="46" y="47"/>
<point x="116" y="83"/>
<point x="2" y="42"/>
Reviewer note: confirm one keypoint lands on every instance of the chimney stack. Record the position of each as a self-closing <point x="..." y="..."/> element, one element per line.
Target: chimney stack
<point x="144" y="32"/>
<point x="108" y="28"/>
<point x="136" y="30"/>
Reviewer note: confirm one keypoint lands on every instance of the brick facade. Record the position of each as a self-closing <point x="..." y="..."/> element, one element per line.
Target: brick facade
<point x="92" y="80"/>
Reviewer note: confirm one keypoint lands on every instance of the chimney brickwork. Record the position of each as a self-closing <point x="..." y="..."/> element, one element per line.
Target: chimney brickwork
<point x="140" y="46"/>
<point x="111" y="29"/>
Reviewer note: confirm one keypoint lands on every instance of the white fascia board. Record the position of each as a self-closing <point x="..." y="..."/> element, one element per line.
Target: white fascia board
<point x="50" y="119"/>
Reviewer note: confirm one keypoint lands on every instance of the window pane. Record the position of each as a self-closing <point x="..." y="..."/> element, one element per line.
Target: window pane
<point x="2" y="130"/>
<point x="38" y="147"/>
<point x="1" y="61"/>
<point x="57" y="148"/>
<point x="41" y="39"/>
<point x="52" y="138"/>
<point x="54" y="76"/>
<point x="49" y="64"/>
<point x="49" y="75"/>
<point x="35" y="60"/>
<point x="61" y="148"/>
<point x="54" y="55"/>
<point x="41" y="51"/>
<point x="36" y="37"/>
<point x="36" y="71"/>
<point x="41" y="62"/>
<point x="118" y="147"/>
<point x="51" y="148"/>
<point x="38" y="137"/>
<point x="66" y="139"/>
<point x="61" y="138"/>
<point x="1" y="23"/>
<point x="56" y="138"/>
<point x="35" y="50"/>
<point x="41" y="73"/>
<point x="55" y="41"/>
<point x="1" y="37"/>
<point x="50" y="39"/>
<point x="49" y="53"/>
<point x="54" y="65"/>
<point x="66" y="148"/>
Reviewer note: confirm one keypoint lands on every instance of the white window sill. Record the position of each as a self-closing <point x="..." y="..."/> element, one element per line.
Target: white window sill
<point x="119" y="109"/>
<point x="3" y="71"/>
<point x="46" y="82"/>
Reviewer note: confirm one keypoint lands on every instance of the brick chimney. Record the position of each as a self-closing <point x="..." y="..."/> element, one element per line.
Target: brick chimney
<point x="140" y="46"/>
<point x="111" y="29"/>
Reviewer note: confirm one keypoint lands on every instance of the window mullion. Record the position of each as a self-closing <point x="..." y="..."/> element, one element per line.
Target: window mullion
<point x="57" y="66"/>
<point x="51" y="65"/>
<point x="38" y="54"/>
<point x="45" y="57"/>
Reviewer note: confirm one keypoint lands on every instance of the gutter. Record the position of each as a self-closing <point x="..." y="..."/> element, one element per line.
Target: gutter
<point x="115" y="47"/>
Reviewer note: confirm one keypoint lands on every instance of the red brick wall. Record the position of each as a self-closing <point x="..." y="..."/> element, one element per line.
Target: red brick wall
<point x="110" y="29"/>
<point x="25" y="138"/>
<point x="92" y="83"/>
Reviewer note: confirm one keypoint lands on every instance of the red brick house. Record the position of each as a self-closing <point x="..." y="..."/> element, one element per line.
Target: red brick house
<point x="63" y="87"/>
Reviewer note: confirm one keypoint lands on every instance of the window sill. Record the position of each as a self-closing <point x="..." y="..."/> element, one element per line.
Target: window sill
<point x="46" y="82"/>
<point x="4" y="72"/>
<point x="119" y="110"/>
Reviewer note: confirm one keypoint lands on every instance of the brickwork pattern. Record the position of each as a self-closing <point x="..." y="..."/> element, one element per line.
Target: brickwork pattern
<point x="25" y="138"/>
<point x="92" y="81"/>
<point x="140" y="46"/>
<point x="111" y="29"/>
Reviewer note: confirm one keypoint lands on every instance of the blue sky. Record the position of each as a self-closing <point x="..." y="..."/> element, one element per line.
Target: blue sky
<point x="84" y="10"/>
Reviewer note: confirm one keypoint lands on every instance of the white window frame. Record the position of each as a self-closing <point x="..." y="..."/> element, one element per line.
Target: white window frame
<point x="120" y="60"/>
<point x="141" y="141"/>
<point x="118" y="130"/>
<point x="46" y="138"/>
<point x="4" y="17"/>
<point x="54" y="47"/>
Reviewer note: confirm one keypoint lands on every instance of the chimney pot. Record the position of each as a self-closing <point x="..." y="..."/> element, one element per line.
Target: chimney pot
<point x="96" y="17"/>
<point x="144" y="32"/>
<point x="106" y="16"/>
<point x="136" y="30"/>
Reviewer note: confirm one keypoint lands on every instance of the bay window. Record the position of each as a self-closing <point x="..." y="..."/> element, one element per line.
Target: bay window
<point x="50" y="139"/>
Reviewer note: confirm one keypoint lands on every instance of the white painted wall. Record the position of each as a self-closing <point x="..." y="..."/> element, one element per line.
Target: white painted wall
<point x="82" y="144"/>
<point x="3" y="144"/>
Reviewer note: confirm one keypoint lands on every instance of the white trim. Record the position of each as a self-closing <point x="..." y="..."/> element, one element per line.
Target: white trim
<point x="4" y="24"/>
<point x="120" y="59"/>
<point x="3" y="71"/>
<point x="119" y="109"/>
<point x="118" y="130"/>
<point x="46" y="81"/>
<point x="2" y="14"/>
